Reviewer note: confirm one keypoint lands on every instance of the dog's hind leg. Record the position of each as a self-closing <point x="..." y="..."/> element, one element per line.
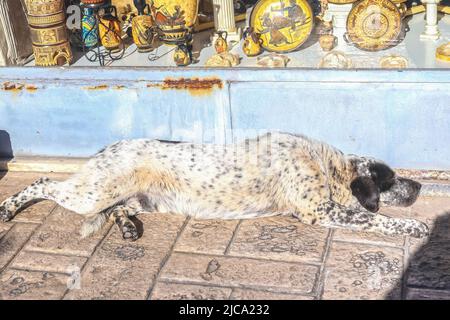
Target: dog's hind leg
<point x="331" y="214"/>
<point x="77" y="194"/>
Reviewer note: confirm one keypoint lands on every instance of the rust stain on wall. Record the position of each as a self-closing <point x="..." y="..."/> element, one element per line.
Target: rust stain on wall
<point x="17" y="87"/>
<point x="195" y="86"/>
<point x="30" y="88"/>
<point x="98" y="87"/>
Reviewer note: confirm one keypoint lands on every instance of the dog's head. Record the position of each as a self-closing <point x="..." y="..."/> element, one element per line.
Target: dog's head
<point x="376" y="184"/>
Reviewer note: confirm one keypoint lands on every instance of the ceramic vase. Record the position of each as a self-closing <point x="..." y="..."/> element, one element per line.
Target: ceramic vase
<point x="46" y="19"/>
<point x="110" y="30"/>
<point x="174" y="18"/>
<point x="142" y="26"/>
<point x="252" y="43"/>
<point x="89" y="28"/>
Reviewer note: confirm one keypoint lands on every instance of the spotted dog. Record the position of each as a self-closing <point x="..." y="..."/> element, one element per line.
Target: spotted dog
<point x="273" y="174"/>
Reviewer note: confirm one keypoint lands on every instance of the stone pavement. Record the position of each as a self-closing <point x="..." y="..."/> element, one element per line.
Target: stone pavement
<point x="42" y="256"/>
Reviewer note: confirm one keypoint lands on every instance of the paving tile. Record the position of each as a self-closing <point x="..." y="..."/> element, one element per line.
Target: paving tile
<point x="4" y="228"/>
<point x="435" y="212"/>
<point x="248" y="294"/>
<point x="206" y="236"/>
<point x="238" y="272"/>
<point x="427" y="294"/>
<point x="176" y="291"/>
<point x="37" y="261"/>
<point x="126" y="270"/>
<point x="61" y="234"/>
<point x="35" y="213"/>
<point x="429" y="265"/>
<point x="13" y="241"/>
<point x="31" y="285"/>
<point x="280" y="238"/>
<point x="153" y="228"/>
<point x="20" y="179"/>
<point x="358" y="271"/>
<point x="375" y="238"/>
<point x="8" y="191"/>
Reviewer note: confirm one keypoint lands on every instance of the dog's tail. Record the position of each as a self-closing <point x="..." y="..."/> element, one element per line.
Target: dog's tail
<point x="94" y="223"/>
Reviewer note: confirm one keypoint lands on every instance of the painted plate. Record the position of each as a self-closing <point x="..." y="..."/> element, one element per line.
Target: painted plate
<point x="284" y="25"/>
<point x="374" y="25"/>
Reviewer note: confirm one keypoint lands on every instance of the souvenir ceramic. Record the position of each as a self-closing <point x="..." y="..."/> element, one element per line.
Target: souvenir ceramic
<point x="89" y="28"/>
<point x="221" y="42"/>
<point x="374" y="25"/>
<point x="224" y="59"/>
<point x="110" y="30"/>
<point x="393" y="62"/>
<point x="44" y="7"/>
<point x="48" y="36"/>
<point x="175" y="18"/>
<point x="46" y="19"/>
<point x="182" y="55"/>
<point x="284" y="25"/>
<point x="55" y="55"/>
<point x="336" y="60"/>
<point x="252" y="43"/>
<point x="273" y="60"/>
<point x="327" y="42"/>
<point x="443" y="52"/>
<point x="141" y="27"/>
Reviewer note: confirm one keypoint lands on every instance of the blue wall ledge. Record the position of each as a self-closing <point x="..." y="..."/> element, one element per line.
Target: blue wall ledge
<point x="402" y="117"/>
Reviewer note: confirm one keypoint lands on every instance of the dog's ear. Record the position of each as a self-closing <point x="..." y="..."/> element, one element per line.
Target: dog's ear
<point x="382" y="175"/>
<point x="367" y="193"/>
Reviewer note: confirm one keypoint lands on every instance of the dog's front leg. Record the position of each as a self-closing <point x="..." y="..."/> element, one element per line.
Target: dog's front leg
<point x="331" y="214"/>
<point x="121" y="214"/>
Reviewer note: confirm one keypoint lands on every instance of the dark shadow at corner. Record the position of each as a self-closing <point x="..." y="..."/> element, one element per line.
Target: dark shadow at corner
<point x="139" y="226"/>
<point x="427" y="275"/>
<point x="6" y="151"/>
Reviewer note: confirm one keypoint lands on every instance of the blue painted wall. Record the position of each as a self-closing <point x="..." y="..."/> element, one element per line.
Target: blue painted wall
<point x="401" y="117"/>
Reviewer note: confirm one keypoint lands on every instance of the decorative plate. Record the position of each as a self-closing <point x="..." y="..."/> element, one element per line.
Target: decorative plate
<point x="374" y="25"/>
<point x="284" y="25"/>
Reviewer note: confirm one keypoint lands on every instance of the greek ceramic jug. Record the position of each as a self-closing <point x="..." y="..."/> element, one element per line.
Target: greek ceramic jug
<point x="182" y="55"/>
<point x="110" y="30"/>
<point x="142" y="26"/>
<point x="252" y="43"/>
<point x="221" y="43"/>
<point x="89" y="28"/>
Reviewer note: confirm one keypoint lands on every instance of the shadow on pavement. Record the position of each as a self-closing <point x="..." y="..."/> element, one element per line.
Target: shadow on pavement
<point x="427" y="274"/>
<point x="5" y="149"/>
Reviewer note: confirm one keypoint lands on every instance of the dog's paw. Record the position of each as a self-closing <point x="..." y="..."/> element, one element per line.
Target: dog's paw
<point x="417" y="229"/>
<point x="5" y="215"/>
<point x="129" y="232"/>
